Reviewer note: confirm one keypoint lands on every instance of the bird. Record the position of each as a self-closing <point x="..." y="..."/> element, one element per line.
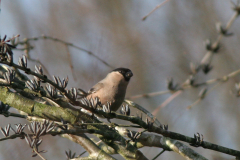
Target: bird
<point x="112" y="89"/>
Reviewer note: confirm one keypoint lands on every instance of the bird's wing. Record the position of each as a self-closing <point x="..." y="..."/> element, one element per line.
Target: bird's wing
<point x="96" y="88"/>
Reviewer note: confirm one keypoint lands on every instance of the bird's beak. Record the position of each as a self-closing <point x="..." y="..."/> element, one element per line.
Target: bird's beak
<point x="129" y="74"/>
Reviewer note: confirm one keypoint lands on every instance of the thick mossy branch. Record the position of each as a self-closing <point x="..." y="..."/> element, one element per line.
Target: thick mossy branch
<point x="37" y="109"/>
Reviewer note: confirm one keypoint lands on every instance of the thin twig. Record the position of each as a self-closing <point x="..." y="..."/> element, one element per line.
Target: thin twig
<point x="12" y="136"/>
<point x="66" y="43"/>
<point x="159" y="154"/>
<point x="70" y="62"/>
<point x="135" y="105"/>
<point x="35" y="150"/>
<point x="187" y="86"/>
<point x="167" y="101"/>
<point x="158" y="6"/>
<point x="200" y="98"/>
<point x="149" y="94"/>
<point x="3" y="42"/>
<point x="219" y="38"/>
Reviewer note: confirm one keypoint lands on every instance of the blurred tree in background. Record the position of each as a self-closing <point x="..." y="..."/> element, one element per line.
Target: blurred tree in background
<point x="178" y="43"/>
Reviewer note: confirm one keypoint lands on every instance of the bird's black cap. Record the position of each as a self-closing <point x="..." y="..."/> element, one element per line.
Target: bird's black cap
<point x="127" y="73"/>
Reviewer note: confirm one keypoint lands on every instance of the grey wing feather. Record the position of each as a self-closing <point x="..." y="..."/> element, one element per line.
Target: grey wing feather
<point x="96" y="88"/>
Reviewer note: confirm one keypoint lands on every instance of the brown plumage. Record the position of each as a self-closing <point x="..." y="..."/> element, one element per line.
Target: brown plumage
<point x="112" y="88"/>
